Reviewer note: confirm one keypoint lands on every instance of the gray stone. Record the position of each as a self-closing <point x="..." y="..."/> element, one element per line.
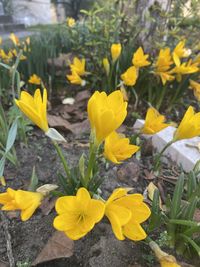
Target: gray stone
<point x="182" y="152"/>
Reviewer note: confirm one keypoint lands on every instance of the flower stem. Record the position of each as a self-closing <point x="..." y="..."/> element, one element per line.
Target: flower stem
<point x="63" y="160"/>
<point x="91" y="161"/>
<point x="159" y="155"/>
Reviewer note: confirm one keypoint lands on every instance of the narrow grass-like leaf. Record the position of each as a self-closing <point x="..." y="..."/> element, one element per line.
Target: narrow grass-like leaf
<point x="177" y="195"/>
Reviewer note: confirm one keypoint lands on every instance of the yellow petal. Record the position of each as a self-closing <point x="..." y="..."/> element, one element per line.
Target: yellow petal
<point x="134" y="231"/>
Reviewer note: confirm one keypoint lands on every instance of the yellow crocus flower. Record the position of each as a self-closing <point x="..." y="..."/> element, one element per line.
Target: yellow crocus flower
<point x="140" y="59"/>
<point x="116" y="51"/>
<point x="106" y="66"/>
<point x="35" y="108"/>
<point x="189" y="127"/>
<point x="154" y="122"/>
<point x="25" y="201"/>
<point x="78" y="66"/>
<point x="184" y="68"/>
<point x="117" y="148"/>
<point x="195" y="86"/>
<point x="78" y="214"/>
<point x="126" y="212"/>
<point x="180" y="51"/>
<point x="163" y="64"/>
<point x="74" y="78"/>
<point x="70" y="22"/>
<point x="14" y="39"/>
<point x="129" y="77"/>
<point x="6" y="57"/>
<point x="106" y="113"/>
<point x="34" y="79"/>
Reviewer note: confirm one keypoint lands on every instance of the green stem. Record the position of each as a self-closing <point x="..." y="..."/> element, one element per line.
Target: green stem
<point x="158" y="157"/>
<point x="61" y="156"/>
<point x="91" y="161"/>
<point x="161" y="97"/>
<point x="14" y="70"/>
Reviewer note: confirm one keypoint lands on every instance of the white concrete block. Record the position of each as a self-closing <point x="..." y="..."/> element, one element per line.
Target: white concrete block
<point x="178" y="152"/>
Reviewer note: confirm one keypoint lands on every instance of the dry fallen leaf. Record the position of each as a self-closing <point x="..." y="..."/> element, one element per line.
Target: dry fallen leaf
<point x="47" y="205"/>
<point x="59" y="123"/>
<point x="83" y="95"/>
<point x="58" y="246"/>
<point x="81" y="127"/>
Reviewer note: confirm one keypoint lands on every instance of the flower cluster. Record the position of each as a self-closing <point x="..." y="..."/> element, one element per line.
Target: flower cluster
<point x="77" y="71"/>
<point x="11" y="55"/>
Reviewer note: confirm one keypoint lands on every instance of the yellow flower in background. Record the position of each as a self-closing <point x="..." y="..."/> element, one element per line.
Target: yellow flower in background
<point x="163" y="65"/>
<point x="0" y="40"/>
<point x="35" y="108"/>
<point x="106" y="113"/>
<point x="14" y="39"/>
<point x="6" y="57"/>
<point x="34" y="79"/>
<point x="140" y="59"/>
<point x="129" y="77"/>
<point x="78" y="66"/>
<point x="117" y="148"/>
<point x="25" y="201"/>
<point x="70" y="22"/>
<point x="195" y="86"/>
<point x="126" y="212"/>
<point x="74" y="78"/>
<point x="116" y="51"/>
<point x="180" y="51"/>
<point x="106" y="66"/>
<point x="78" y="214"/>
<point x="154" y="122"/>
<point x="189" y="127"/>
<point x="164" y="60"/>
<point x="184" y="68"/>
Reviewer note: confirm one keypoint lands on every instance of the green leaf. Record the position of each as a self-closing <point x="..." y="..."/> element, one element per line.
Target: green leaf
<point x="176" y="200"/>
<point x="188" y="212"/>
<point x="2" y="165"/>
<point x="82" y="165"/>
<point x="34" y="181"/>
<point x="191" y="242"/>
<point x="155" y="218"/>
<point x="11" y="135"/>
<point x="185" y="222"/>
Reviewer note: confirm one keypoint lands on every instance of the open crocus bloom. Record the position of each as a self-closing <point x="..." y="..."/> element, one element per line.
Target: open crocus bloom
<point x="154" y="122"/>
<point x="78" y="214"/>
<point x="126" y="213"/>
<point x="106" y="113"/>
<point x="189" y="126"/>
<point x="25" y="201"/>
<point x="74" y="78"/>
<point x="140" y="59"/>
<point x="34" y="79"/>
<point x="129" y="77"/>
<point x="118" y="148"/>
<point x="78" y="66"/>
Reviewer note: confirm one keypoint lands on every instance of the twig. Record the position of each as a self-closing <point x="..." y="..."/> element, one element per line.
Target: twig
<point x="8" y="240"/>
